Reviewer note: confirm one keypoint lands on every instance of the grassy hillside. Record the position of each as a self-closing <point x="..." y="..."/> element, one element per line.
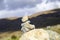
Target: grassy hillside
<point x="10" y="29"/>
<point x="47" y="19"/>
<point x="40" y="19"/>
<point x="17" y="34"/>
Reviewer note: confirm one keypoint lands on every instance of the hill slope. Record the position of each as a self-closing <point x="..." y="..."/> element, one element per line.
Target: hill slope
<point x="46" y="18"/>
<point x="40" y="19"/>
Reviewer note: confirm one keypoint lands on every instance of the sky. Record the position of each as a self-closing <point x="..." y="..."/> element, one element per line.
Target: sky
<point x="19" y="8"/>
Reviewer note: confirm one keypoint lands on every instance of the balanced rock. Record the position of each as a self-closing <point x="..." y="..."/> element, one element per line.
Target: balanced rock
<point x="25" y="18"/>
<point x="27" y="26"/>
<point x="36" y="34"/>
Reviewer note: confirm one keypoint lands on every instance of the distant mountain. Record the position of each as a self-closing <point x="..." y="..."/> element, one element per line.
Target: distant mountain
<point x="40" y="19"/>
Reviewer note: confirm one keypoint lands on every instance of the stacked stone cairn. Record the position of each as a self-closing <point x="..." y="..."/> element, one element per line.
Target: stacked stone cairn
<point x="30" y="33"/>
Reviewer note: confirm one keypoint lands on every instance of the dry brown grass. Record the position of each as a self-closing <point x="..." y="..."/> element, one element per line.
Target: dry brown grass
<point x="9" y="35"/>
<point x="17" y="34"/>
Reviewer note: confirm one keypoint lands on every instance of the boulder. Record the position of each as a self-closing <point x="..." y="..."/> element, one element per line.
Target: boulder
<point x="36" y="34"/>
<point x="53" y="35"/>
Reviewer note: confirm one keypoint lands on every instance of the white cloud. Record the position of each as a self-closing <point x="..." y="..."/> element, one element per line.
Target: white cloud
<point x="21" y="11"/>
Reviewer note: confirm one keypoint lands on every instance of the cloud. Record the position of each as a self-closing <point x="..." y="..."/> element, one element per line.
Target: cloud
<point x="14" y="4"/>
<point x="16" y="13"/>
<point x="18" y="8"/>
<point x="1" y="5"/>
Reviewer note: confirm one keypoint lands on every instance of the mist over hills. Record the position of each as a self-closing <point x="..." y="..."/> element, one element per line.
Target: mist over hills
<point x="40" y="19"/>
